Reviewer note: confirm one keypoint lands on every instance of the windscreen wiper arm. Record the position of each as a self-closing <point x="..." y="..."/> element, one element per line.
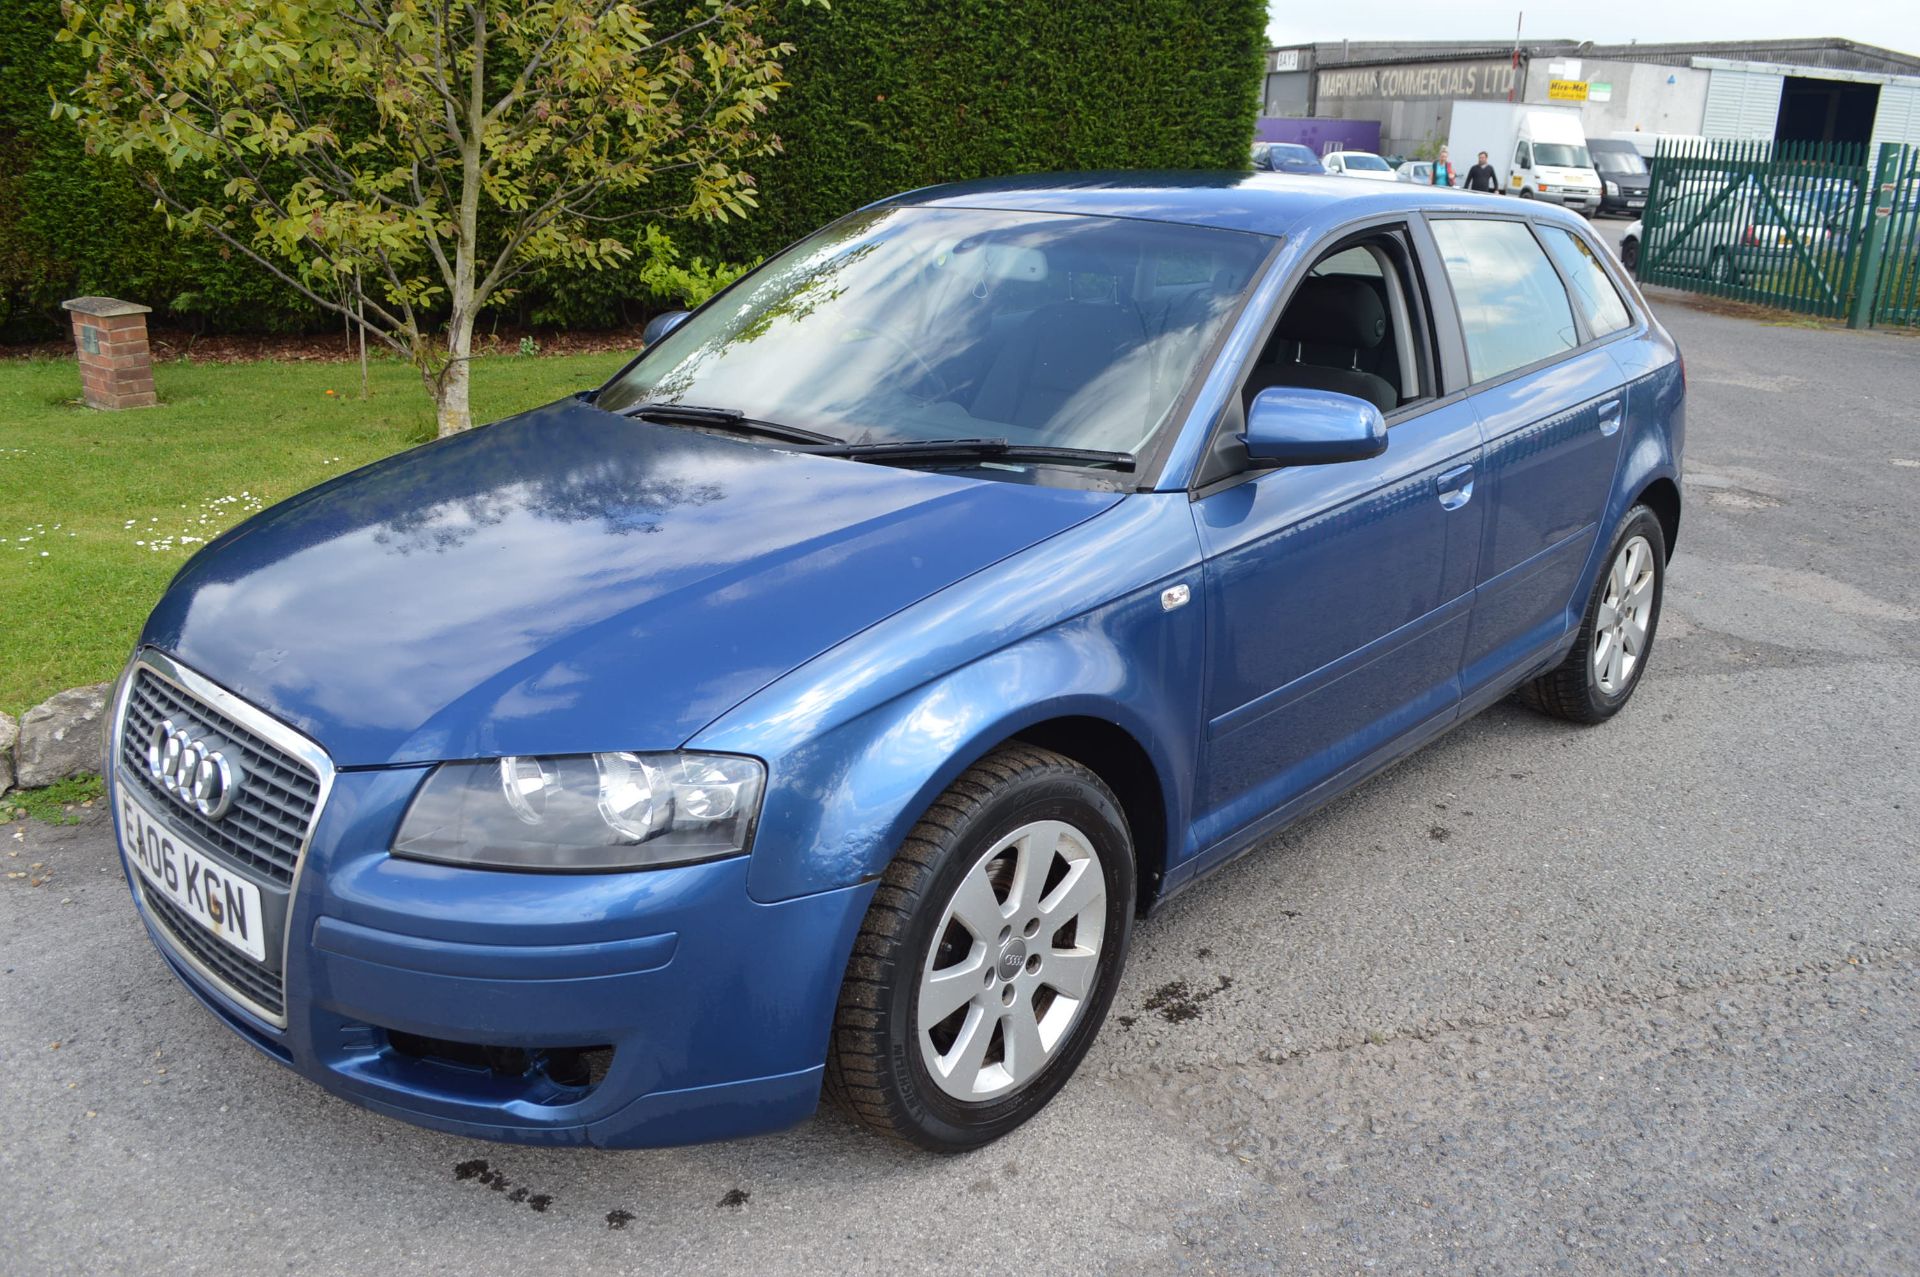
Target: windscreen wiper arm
<point x="968" y="449"/>
<point x="684" y="414"/>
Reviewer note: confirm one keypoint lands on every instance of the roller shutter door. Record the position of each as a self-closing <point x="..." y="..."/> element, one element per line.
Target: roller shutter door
<point x="1742" y="104"/>
<point x="1898" y="119"/>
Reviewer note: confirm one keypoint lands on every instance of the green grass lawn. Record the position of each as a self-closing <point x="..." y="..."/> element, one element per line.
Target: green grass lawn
<point x="96" y="507"/>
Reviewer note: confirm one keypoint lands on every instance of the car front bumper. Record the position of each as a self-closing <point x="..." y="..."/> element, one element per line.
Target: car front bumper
<point x="716" y="1007"/>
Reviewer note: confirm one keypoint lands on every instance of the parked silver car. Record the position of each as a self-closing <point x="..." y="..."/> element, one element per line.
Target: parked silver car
<point x="1732" y="238"/>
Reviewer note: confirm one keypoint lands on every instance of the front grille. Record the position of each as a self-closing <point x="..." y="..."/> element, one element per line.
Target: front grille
<point x="268" y="823"/>
<point x="246" y="977"/>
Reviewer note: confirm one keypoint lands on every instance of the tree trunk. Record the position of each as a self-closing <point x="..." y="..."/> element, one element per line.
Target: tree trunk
<point x="451" y="398"/>
<point x="451" y="393"/>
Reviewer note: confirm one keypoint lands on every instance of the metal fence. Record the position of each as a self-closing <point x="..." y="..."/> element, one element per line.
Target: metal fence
<point x="1819" y="228"/>
<point x="1896" y="292"/>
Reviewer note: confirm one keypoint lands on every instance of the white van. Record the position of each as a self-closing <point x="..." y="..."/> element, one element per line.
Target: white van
<point x="1538" y="151"/>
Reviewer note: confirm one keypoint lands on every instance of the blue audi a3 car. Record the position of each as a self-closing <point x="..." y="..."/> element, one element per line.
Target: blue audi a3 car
<point x="818" y="704"/>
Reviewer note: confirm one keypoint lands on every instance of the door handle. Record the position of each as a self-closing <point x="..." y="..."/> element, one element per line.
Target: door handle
<point x="1456" y="486"/>
<point x="1609" y="416"/>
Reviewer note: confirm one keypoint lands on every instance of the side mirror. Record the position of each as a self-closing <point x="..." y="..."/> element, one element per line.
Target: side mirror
<point x="1295" y="426"/>
<point x="660" y="325"/>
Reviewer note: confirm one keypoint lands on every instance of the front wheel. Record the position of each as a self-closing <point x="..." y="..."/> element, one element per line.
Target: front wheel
<point x="1616" y="635"/>
<point x="1630" y="255"/>
<point x="989" y="955"/>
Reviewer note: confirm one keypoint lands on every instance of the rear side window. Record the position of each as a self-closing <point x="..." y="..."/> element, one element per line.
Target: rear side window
<point x="1513" y="309"/>
<point x="1599" y="301"/>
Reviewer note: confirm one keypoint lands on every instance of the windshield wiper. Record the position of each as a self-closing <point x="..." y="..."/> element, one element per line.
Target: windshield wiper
<point x="686" y="414"/>
<point x="971" y="449"/>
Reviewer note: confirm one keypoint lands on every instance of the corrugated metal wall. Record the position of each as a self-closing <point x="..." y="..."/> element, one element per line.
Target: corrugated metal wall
<point x="1742" y="104"/>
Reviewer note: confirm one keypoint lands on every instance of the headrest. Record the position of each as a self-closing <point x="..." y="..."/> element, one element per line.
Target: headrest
<point x="1334" y="310"/>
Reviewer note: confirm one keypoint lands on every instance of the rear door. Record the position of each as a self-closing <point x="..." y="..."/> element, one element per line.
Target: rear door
<point x="1550" y="404"/>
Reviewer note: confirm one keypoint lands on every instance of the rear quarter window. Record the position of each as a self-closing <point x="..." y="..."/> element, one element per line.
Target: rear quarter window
<point x="1513" y="309"/>
<point x="1599" y="301"/>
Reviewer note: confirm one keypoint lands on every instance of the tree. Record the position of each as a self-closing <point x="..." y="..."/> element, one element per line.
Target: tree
<point x="403" y="163"/>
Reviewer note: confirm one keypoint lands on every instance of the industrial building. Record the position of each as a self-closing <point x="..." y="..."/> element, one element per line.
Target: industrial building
<point x="1822" y="90"/>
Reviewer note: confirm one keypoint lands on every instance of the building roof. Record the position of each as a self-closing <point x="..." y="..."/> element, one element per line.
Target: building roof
<point x="1829" y="52"/>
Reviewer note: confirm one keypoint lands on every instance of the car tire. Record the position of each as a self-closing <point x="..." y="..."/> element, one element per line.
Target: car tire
<point x="992" y="829"/>
<point x="1630" y="256"/>
<point x="1609" y="655"/>
<point x="1720" y="270"/>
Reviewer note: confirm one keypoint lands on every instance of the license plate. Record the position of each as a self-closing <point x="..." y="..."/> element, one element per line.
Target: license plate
<point x="1636" y="203"/>
<point x="211" y="894"/>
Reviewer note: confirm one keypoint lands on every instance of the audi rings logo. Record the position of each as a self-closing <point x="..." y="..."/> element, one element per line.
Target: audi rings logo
<point x="202" y="778"/>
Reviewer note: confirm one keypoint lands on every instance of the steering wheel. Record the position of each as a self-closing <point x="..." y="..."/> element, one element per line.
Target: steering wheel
<point x="907" y="348"/>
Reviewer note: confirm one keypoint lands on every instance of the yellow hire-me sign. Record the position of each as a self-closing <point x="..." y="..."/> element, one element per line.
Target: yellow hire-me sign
<point x="1567" y="90"/>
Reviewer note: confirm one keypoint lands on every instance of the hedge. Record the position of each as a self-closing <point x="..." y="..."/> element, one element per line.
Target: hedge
<point x="885" y="95"/>
<point x="71" y="224"/>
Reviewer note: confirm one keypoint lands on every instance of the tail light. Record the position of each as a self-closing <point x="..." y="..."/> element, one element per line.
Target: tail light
<point x="1752" y="238"/>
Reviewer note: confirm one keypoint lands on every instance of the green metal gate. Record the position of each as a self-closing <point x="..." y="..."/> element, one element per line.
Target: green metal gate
<point x="1897" y="210"/>
<point x="1816" y="228"/>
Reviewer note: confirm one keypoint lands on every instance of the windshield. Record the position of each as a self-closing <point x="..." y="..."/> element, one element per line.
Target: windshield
<point x="1360" y="159"/>
<point x="914" y="323"/>
<point x="1561" y="155"/>
<point x="1619" y="163"/>
<point x="1293" y="151"/>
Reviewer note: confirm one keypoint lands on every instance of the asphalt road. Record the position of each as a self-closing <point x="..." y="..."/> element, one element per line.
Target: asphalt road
<point x="1640" y="998"/>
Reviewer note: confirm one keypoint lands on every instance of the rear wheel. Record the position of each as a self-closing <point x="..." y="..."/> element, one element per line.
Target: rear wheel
<point x="989" y="955"/>
<point x="1720" y="269"/>
<point x="1630" y="255"/>
<point x="1616" y="635"/>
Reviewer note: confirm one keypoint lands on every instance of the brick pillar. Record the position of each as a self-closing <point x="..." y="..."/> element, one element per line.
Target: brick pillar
<point x="116" y="368"/>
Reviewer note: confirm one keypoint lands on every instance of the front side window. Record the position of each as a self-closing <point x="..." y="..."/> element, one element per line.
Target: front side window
<point x="903" y="324"/>
<point x="1513" y="309"/>
<point x="1599" y="301"/>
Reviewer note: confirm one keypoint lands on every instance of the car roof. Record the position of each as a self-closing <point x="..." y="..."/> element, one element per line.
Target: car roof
<point x="1266" y="203"/>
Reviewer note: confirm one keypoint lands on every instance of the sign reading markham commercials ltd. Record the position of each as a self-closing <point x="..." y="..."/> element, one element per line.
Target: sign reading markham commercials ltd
<point x="1491" y="80"/>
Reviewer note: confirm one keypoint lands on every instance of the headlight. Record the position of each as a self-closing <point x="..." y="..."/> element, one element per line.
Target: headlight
<point x="1613" y="188"/>
<point x="585" y="813"/>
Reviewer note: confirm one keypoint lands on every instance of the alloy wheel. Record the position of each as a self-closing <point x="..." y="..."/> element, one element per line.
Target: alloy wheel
<point x="1013" y="962"/>
<point x="1626" y="611"/>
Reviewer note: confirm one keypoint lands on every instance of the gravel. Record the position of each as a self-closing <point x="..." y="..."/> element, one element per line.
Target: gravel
<point x="1640" y="998"/>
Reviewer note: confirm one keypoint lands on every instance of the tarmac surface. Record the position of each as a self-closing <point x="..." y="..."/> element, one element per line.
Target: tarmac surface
<point x="1636" y="998"/>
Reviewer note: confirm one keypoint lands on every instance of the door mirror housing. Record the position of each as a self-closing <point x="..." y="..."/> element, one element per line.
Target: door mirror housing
<point x="660" y="325"/>
<point x="1295" y="426"/>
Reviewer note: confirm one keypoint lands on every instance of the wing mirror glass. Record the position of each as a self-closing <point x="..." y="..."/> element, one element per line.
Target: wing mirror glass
<point x="660" y="325"/>
<point x="1295" y="426"/>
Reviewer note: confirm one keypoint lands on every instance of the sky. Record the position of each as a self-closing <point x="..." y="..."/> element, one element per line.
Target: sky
<point x="1893" y="24"/>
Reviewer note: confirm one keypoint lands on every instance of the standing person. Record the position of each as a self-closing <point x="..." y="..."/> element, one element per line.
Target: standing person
<point x="1481" y="177"/>
<point x="1443" y="170"/>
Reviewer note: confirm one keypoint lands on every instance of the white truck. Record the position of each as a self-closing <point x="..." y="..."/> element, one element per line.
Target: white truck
<point x="1538" y="151"/>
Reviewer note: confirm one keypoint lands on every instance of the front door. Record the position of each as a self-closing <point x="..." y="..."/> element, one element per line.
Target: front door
<point x="1338" y="600"/>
